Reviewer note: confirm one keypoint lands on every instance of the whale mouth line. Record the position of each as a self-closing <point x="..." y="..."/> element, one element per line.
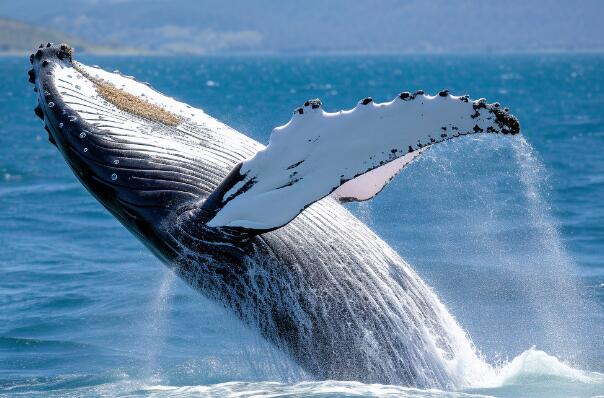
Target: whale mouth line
<point x="129" y="102"/>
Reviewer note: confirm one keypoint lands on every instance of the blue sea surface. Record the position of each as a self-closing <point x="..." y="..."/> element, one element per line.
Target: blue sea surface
<point x="509" y="232"/>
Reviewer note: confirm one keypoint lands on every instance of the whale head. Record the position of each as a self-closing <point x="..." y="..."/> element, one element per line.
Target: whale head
<point x="146" y="157"/>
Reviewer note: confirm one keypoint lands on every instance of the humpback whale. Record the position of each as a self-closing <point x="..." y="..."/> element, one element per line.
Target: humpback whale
<point x="261" y="229"/>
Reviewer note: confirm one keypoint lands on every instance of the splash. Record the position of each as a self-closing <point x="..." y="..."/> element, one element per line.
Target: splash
<point x="502" y="232"/>
<point x="554" y="292"/>
<point x="535" y="364"/>
<point x="157" y="326"/>
<point x="532" y="373"/>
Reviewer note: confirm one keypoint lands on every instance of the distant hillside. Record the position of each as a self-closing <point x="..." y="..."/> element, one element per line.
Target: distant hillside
<point x="320" y="26"/>
<point x="19" y="38"/>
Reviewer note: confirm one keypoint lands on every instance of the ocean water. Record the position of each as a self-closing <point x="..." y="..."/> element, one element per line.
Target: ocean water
<point x="509" y="232"/>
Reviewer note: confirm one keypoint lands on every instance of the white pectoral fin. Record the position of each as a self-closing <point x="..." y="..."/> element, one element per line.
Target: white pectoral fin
<point x="369" y="184"/>
<point x="350" y="154"/>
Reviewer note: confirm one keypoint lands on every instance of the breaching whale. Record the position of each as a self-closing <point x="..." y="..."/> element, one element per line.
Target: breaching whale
<point x="261" y="229"/>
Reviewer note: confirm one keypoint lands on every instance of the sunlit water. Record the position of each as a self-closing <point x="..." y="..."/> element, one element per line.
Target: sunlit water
<point x="509" y="235"/>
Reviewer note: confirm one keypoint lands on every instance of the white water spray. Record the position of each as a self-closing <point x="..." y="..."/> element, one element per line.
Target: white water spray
<point x="156" y="326"/>
<point x="550" y="284"/>
<point x="507" y="219"/>
<point x="554" y="288"/>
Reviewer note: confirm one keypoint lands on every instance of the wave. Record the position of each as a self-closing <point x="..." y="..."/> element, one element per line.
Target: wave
<point x="533" y="364"/>
<point x="533" y="373"/>
<point x="17" y="343"/>
<point x="328" y="388"/>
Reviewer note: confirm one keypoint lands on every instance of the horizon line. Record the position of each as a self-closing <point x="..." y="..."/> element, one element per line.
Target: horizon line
<point x="144" y="53"/>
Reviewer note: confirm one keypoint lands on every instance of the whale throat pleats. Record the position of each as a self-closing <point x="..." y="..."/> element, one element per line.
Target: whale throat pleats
<point x="144" y="155"/>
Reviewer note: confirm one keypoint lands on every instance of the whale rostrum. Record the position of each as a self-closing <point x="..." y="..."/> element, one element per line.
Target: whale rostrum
<point x="260" y="229"/>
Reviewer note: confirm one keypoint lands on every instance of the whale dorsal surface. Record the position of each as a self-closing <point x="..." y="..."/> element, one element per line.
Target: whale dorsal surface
<point x="261" y="229"/>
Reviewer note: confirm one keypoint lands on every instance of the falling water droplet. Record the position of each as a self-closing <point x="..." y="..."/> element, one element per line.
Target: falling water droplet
<point x="116" y="161"/>
<point x="85" y="149"/>
<point x="113" y="177"/>
<point x="72" y="118"/>
<point x="83" y="134"/>
<point x="60" y="124"/>
<point x="51" y="104"/>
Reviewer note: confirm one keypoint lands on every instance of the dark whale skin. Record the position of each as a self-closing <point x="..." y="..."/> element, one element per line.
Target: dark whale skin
<point x="324" y="288"/>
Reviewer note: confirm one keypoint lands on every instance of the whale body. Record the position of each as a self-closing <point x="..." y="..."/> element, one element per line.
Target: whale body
<point x="299" y="267"/>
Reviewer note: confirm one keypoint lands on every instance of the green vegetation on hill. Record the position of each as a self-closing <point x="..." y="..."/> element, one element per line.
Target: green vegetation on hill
<point x="20" y="38"/>
<point x="319" y="26"/>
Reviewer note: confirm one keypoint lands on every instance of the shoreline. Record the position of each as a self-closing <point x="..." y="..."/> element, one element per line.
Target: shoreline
<point x="144" y="53"/>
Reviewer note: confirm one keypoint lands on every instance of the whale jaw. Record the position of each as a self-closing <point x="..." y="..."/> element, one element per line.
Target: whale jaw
<point x="146" y="157"/>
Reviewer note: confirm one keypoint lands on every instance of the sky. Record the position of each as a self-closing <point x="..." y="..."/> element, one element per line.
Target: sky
<point x="323" y="26"/>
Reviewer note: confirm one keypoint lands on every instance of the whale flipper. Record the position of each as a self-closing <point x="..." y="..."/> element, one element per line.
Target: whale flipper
<point x="349" y="154"/>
